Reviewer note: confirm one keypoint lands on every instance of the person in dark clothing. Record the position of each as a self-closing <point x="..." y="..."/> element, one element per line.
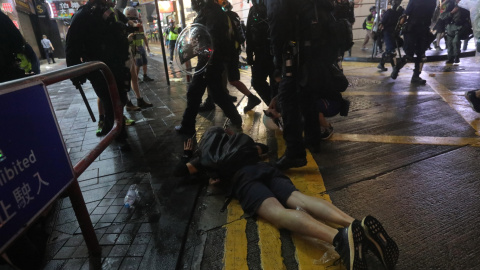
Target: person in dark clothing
<point x="264" y="191"/>
<point x="211" y="15"/>
<point x="11" y="44"/>
<point x="98" y="33"/>
<point x="390" y="35"/>
<point x="440" y="26"/>
<point x="297" y="51"/>
<point x="258" y="52"/>
<point x="344" y="10"/>
<point x="457" y="29"/>
<point x="416" y="32"/>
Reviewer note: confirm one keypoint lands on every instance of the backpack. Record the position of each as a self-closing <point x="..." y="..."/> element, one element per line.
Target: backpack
<point x="238" y="33"/>
<point x="259" y="26"/>
<point x="222" y="154"/>
<point x="341" y="31"/>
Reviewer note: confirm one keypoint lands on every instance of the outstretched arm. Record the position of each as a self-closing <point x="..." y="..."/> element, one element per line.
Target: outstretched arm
<point x="186" y="166"/>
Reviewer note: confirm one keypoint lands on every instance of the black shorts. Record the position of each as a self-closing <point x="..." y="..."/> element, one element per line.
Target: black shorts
<point x="232" y="68"/>
<point x="256" y="183"/>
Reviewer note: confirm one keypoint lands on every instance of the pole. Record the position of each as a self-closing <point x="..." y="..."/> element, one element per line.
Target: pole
<point x="182" y="14"/>
<point x="160" y="32"/>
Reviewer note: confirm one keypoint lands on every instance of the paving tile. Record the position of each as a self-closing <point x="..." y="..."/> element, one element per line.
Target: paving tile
<point x="74" y="264"/>
<point x="137" y="250"/>
<point x="125" y="239"/>
<point x="119" y="251"/>
<point x="75" y="241"/>
<point x="65" y="253"/>
<point x="108" y="239"/>
<point x="100" y="210"/>
<point x="130" y="263"/>
<point x="112" y="263"/>
<point x="115" y="228"/>
<point x="108" y="218"/>
<point x="142" y="238"/>
<point x="114" y="209"/>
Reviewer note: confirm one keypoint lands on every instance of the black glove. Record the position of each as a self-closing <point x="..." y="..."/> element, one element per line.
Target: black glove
<point x="79" y="80"/>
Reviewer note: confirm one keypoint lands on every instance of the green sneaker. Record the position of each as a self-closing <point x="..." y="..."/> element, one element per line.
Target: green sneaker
<point x="99" y="129"/>
<point x="129" y="122"/>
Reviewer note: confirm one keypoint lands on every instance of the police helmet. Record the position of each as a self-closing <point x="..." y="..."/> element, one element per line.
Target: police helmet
<point x="227" y="6"/>
<point x="130" y="12"/>
<point x="197" y="5"/>
<point x="373" y="8"/>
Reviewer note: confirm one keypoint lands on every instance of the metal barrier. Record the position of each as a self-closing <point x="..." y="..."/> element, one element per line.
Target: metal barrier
<point x="76" y="197"/>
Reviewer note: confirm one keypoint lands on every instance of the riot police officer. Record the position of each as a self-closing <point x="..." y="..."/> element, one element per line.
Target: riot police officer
<point x="301" y="45"/>
<point x="415" y="32"/>
<point x="98" y="33"/>
<point x="258" y="52"/>
<point x="211" y="15"/>
<point x="390" y="33"/>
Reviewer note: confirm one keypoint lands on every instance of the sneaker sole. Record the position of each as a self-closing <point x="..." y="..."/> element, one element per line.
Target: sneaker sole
<point x="356" y="233"/>
<point x="385" y="248"/>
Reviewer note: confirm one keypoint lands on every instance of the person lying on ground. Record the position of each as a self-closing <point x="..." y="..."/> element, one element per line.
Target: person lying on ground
<point x="266" y="192"/>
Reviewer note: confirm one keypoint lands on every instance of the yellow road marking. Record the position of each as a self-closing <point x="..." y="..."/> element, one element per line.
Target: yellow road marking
<point x="429" y="140"/>
<point x="235" y="256"/>
<point x="457" y="102"/>
<point x="270" y="246"/>
<point x="307" y="180"/>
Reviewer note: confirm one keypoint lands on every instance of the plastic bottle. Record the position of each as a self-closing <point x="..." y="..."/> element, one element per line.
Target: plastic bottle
<point x="131" y="197"/>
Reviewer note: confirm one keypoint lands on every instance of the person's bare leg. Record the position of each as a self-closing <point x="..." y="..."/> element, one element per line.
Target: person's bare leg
<point x="241" y="87"/>
<point x="144" y="69"/>
<point x="296" y="221"/>
<point x="319" y="208"/>
<point x="134" y="81"/>
<point x="323" y="121"/>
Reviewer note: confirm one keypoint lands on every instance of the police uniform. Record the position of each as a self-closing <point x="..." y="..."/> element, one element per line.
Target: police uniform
<point x="258" y="46"/>
<point x="215" y="20"/>
<point x="300" y="43"/>
<point x="416" y="32"/>
<point x="389" y="21"/>
<point x="98" y="33"/>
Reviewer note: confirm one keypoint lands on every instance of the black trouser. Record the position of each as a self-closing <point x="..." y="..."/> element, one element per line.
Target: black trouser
<point x="171" y="47"/>
<point x="212" y="78"/>
<point x="416" y="43"/>
<point x="292" y="118"/>
<point x="99" y="83"/>
<point x="262" y="69"/>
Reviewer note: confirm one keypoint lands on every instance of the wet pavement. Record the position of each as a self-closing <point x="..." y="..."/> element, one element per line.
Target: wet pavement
<point x="406" y="154"/>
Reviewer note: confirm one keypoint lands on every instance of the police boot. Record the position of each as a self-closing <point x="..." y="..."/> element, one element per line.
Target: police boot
<point x="143" y="104"/>
<point x="207" y="105"/>
<point x="381" y="65"/>
<point x="252" y="102"/>
<point x="401" y="62"/>
<point x="130" y="107"/>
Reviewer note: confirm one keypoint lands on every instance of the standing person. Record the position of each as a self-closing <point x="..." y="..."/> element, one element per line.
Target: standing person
<point x="445" y="7"/>
<point x="173" y="32"/>
<point x="97" y="34"/>
<point x="237" y="37"/>
<point x="368" y="26"/>
<point x="48" y="49"/>
<point x="211" y="15"/>
<point x="258" y="52"/>
<point x="416" y="32"/>
<point x="301" y="45"/>
<point x="459" y="28"/>
<point x="344" y="10"/>
<point x="139" y="42"/>
<point x="390" y="36"/>
<point x="263" y="191"/>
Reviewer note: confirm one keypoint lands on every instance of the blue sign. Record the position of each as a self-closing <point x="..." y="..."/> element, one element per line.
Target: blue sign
<point x="34" y="164"/>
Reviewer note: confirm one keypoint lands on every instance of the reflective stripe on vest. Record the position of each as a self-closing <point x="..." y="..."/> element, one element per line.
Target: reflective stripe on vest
<point x="138" y="38"/>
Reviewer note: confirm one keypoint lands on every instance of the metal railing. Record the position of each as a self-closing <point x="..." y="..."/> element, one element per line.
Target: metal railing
<point x="76" y="197"/>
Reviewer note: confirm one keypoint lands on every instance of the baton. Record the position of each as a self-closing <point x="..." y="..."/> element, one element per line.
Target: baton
<point x="80" y="89"/>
